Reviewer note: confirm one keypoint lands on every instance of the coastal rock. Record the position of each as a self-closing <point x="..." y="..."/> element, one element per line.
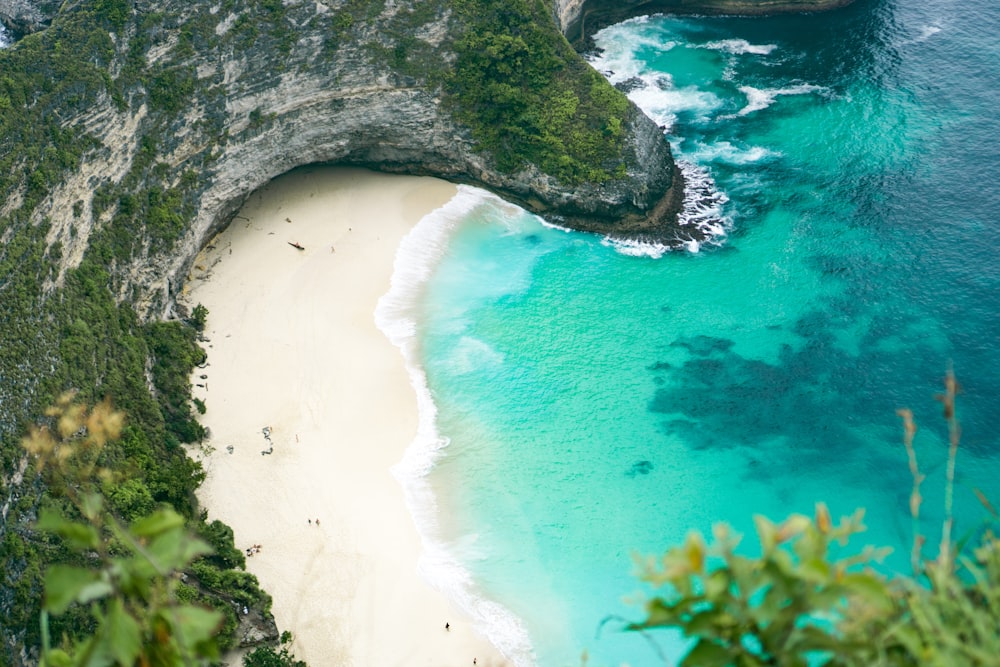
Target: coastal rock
<point x="227" y="100"/>
<point x="578" y="18"/>
<point x="27" y="16"/>
<point x="256" y="628"/>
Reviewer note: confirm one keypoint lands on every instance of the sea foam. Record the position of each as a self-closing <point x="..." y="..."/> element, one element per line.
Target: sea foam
<point x="6" y="39"/>
<point x="926" y="32"/>
<point x="758" y="99"/>
<point x="653" y="92"/>
<point x="702" y="213"/>
<point x="729" y="153"/>
<point x="395" y="315"/>
<point x="737" y="47"/>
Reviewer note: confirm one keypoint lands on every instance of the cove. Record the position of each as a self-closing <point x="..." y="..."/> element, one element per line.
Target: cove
<point x="596" y="404"/>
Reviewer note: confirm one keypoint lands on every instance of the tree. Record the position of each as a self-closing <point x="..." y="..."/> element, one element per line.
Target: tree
<point x="267" y="656"/>
<point x="198" y="317"/>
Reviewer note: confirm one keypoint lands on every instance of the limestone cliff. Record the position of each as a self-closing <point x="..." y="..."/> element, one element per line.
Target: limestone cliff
<point x="211" y="100"/>
<point x="27" y="16"/>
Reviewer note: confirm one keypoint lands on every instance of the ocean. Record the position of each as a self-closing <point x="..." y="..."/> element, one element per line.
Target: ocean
<point x="583" y="402"/>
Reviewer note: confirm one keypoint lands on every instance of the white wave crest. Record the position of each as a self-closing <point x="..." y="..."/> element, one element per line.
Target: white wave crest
<point x="728" y="153"/>
<point x="418" y="253"/>
<point x="703" y="203"/>
<point x="737" y="47"/>
<point x="663" y="103"/>
<point x="701" y="212"/>
<point x="656" y="95"/>
<point x="6" y="39"/>
<point x="758" y="99"/>
<point x="634" y="248"/>
<point x="617" y="59"/>
<point x="926" y="32"/>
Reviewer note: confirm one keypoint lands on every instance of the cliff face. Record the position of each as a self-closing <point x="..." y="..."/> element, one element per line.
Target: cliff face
<point x="27" y="16"/>
<point x="228" y="97"/>
<point x="221" y="97"/>
<point x="578" y="17"/>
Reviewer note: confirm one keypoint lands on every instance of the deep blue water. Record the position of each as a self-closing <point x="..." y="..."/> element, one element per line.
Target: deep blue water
<point x="598" y="404"/>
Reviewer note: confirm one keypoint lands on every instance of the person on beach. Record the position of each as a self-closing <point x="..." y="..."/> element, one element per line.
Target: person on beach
<point x="447" y="625"/>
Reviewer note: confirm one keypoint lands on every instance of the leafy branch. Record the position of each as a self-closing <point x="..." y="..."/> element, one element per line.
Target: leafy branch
<point x="128" y="576"/>
<point x="795" y="605"/>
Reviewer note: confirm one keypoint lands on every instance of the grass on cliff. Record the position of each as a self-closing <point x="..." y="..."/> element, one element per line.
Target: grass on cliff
<point x="529" y="98"/>
<point x="132" y="587"/>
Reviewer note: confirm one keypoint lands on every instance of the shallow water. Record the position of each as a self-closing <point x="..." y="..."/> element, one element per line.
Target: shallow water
<point x="597" y="404"/>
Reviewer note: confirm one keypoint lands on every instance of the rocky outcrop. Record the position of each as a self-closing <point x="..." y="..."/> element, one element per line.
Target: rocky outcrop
<point x="258" y="95"/>
<point x="578" y="18"/>
<point x="27" y="16"/>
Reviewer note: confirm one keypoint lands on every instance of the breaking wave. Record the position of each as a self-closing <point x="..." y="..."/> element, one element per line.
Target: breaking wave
<point x="758" y="99"/>
<point x="737" y="47"/>
<point x="418" y="254"/>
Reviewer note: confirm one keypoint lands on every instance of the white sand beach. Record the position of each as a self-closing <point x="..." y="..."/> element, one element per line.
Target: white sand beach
<point x="293" y="348"/>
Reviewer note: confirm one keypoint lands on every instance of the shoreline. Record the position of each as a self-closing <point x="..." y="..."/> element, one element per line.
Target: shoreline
<point x="293" y="349"/>
<point x="419" y="251"/>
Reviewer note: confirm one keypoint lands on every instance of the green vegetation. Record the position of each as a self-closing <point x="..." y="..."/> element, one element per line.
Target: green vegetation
<point x="151" y="587"/>
<point x="267" y="656"/>
<point x="796" y="604"/>
<point x="529" y="98"/>
<point x="104" y="350"/>
<point x="126" y="576"/>
<point x="171" y="89"/>
<point x="78" y="329"/>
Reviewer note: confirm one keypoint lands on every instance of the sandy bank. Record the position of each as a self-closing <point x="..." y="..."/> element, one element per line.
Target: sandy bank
<point x="293" y="349"/>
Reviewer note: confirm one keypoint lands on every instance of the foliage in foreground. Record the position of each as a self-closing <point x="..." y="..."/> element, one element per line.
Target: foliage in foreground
<point x="796" y="605"/>
<point x="793" y="605"/>
<point x="132" y="579"/>
<point x="127" y="576"/>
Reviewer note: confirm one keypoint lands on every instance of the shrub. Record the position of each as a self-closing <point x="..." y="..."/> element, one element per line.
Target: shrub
<point x="794" y="605"/>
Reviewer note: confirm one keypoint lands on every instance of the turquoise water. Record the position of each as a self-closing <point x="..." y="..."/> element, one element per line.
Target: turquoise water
<point x="597" y="403"/>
